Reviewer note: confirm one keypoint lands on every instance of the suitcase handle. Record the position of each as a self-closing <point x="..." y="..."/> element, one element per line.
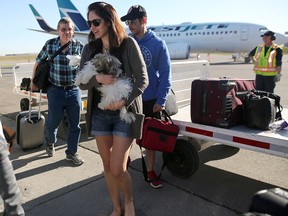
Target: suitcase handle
<point x="204" y="98"/>
<point x="39" y="109"/>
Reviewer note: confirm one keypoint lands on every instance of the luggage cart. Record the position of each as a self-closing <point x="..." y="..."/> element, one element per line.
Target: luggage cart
<point x="24" y="70"/>
<point x="185" y="160"/>
<point x="20" y="71"/>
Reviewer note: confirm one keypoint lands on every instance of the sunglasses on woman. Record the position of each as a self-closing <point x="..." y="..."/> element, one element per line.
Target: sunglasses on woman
<point x="95" y="22"/>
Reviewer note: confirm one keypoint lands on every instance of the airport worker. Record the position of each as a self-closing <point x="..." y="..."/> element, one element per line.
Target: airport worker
<point x="157" y="59"/>
<point x="62" y="94"/>
<point x="267" y="60"/>
<point x="9" y="189"/>
<point x="113" y="135"/>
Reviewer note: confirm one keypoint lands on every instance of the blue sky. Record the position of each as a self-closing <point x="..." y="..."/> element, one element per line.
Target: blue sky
<point x="16" y="17"/>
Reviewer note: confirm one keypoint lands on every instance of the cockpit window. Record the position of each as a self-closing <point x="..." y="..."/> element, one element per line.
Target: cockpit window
<point x="263" y="30"/>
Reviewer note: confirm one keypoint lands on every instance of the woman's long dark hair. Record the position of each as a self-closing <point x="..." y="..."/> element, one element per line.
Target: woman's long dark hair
<point x="116" y="31"/>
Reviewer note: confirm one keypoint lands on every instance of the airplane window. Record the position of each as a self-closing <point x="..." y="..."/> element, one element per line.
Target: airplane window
<point x="208" y="33"/>
<point x="216" y="32"/>
<point x="178" y="34"/>
<point x="195" y="33"/>
<point x="174" y="34"/>
<point x="231" y="32"/>
<point x="212" y="33"/>
<point x="203" y="33"/>
<point x="222" y="26"/>
<point x="226" y="32"/>
<point x="221" y="32"/>
<point x="235" y="32"/>
<point x="171" y="34"/>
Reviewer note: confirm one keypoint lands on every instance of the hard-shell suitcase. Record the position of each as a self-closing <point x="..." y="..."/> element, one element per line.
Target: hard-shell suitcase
<point x="272" y="201"/>
<point x="215" y="101"/>
<point x="30" y="127"/>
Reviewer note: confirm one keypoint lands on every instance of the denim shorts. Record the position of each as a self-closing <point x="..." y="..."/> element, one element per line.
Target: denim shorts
<point x="105" y="124"/>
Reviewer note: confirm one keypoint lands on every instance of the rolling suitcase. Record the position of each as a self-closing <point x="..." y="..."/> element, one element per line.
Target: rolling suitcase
<point x="215" y="101"/>
<point x="30" y="127"/>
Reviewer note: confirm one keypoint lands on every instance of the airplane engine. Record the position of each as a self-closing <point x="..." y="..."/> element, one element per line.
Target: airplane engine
<point x="178" y="50"/>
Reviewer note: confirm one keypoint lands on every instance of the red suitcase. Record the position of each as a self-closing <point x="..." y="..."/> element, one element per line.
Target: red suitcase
<point x="215" y="101"/>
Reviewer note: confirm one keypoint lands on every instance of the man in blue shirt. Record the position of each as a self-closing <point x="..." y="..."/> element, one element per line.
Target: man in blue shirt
<point x="157" y="59"/>
<point x="62" y="94"/>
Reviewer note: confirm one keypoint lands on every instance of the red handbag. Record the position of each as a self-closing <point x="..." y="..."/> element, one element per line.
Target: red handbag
<point x="159" y="135"/>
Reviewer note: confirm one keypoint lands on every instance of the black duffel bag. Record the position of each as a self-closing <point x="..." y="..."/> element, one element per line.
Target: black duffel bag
<point x="41" y="77"/>
<point x="261" y="108"/>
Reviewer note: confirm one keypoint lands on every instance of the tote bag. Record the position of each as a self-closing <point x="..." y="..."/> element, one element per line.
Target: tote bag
<point x="159" y="135"/>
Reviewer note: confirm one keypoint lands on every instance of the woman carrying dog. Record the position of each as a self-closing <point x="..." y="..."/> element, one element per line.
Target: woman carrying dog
<point x="114" y="136"/>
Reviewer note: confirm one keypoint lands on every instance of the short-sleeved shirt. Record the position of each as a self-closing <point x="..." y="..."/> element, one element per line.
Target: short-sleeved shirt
<point x="278" y="57"/>
<point x="61" y="74"/>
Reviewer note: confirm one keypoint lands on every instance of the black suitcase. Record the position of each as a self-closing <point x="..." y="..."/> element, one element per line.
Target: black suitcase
<point x="214" y="101"/>
<point x="272" y="201"/>
<point x="30" y="127"/>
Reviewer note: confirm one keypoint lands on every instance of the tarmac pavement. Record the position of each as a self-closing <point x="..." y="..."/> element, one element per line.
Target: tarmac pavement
<point x="54" y="186"/>
<point x="223" y="185"/>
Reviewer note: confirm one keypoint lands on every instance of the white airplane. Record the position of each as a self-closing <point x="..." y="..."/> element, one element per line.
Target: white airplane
<point x="230" y="37"/>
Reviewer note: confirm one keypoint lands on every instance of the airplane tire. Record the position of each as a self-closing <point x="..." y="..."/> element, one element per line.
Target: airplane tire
<point x="247" y="60"/>
<point x="184" y="160"/>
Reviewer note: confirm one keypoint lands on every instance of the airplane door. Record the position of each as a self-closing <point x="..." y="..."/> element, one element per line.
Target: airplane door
<point x="244" y="33"/>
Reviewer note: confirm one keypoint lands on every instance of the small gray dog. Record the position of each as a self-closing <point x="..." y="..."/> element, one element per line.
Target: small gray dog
<point x="109" y="65"/>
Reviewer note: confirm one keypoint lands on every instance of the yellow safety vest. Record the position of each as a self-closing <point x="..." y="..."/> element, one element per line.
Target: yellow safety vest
<point x="265" y="65"/>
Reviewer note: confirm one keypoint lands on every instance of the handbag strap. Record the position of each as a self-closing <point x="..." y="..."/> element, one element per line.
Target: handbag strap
<point x="59" y="51"/>
<point x="144" y="167"/>
<point x="166" y="116"/>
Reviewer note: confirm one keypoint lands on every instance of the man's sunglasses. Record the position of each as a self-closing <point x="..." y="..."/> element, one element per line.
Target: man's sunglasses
<point x="65" y="30"/>
<point x="130" y="22"/>
<point x="95" y="22"/>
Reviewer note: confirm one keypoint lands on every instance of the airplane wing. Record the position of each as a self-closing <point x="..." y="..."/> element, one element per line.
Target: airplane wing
<point x="37" y="30"/>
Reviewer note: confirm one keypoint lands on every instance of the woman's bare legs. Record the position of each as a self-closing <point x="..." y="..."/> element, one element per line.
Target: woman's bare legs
<point x="114" y="151"/>
<point x="104" y="144"/>
<point x="119" y="158"/>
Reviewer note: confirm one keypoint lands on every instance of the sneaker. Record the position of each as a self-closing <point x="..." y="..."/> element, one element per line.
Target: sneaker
<point x="153" y="179"/>
<point x="50" y="150"/>
<point x="75" y="159"/>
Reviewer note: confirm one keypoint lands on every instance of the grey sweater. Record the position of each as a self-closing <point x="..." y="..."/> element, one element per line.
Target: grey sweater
<point x="135" y="68"/>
